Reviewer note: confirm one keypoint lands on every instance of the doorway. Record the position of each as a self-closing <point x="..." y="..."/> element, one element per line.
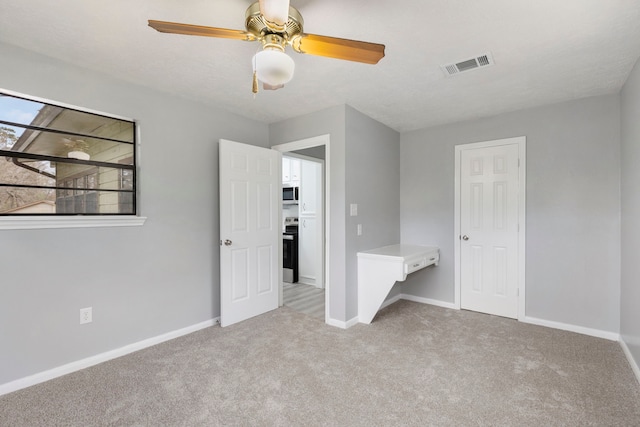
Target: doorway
<point x="314" y="287"/>
<point x="490" y="227"/>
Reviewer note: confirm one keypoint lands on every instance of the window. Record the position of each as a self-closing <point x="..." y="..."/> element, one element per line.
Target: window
<point x="58" y="160"/>
<point x="83" y="198"/>
<point x="126" y="200"/>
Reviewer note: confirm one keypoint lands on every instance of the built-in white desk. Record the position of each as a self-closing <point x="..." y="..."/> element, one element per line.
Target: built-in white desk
<point x="379" y="269"/>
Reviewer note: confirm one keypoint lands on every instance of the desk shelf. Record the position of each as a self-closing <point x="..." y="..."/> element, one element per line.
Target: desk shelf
<point x="379" y="269"/>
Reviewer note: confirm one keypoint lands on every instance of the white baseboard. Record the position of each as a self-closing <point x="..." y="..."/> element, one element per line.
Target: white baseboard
<point x="307" y="281"/>
<point x="337" y="323"/>
<point x="632" y="362"/>
<point x="428" y="301"/>
<point x="612" y="336"/>
<point x="398" y="297"/>
<point x="100" y="358"/>
<point x="341" y="324"/>
<point x="390" y="301"/>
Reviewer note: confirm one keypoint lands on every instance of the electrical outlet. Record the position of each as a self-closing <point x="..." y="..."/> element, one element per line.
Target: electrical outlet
<point x="86" y="315"/>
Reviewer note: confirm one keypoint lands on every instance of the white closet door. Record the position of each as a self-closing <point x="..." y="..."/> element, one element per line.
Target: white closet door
<point x="489" y="230"/>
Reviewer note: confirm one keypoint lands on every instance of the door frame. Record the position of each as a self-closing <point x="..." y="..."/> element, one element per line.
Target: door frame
<point x="321" y="214"/>
<point x="521" y="141"/>
<point x="300" y="145"/>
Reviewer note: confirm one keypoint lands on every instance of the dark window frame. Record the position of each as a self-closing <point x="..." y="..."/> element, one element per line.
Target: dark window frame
<point x="118" y="165"/>
<point x="123" y="196"/>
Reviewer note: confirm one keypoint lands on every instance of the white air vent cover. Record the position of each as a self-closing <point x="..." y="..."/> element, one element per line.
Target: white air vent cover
<point x="481" y="61"/>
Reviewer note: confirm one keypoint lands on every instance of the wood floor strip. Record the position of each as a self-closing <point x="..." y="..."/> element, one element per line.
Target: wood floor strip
<point x="306" y="299"/>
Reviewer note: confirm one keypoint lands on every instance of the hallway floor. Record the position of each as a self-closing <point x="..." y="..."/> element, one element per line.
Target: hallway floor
<point x="305" y="299"/>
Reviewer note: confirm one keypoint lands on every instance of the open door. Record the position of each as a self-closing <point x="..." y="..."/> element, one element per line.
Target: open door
<point x="250" y="231"/>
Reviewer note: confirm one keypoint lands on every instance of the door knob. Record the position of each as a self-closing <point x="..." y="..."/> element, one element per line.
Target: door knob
<point x="465" y="237"/>
<point x="227" y="242"/>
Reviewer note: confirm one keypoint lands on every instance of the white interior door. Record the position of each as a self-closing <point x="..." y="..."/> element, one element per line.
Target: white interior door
<point x="250" y="231"/>
<point x="489" y="229"/>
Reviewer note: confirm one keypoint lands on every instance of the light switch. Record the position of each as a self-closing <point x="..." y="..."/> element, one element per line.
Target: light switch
<point x="354" y="209"/>
<point x="359" y="229"/>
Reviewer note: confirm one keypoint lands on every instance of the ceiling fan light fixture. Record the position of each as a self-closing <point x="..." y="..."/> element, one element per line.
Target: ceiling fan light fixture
<point x="273" y="66"/>
<point x="276" y="24"/>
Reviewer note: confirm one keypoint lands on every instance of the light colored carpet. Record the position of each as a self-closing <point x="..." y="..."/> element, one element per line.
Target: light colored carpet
<point x="415" y="365"/>
<point x="305" y="299"/>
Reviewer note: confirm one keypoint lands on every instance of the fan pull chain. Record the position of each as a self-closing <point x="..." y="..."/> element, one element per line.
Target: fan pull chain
<point x="254" y="87"/>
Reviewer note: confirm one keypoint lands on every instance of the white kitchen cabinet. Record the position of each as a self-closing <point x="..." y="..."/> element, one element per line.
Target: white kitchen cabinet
<point x="307" y="250"/>
<point x="295" y="172"/>
<point x="310" y="248"/>
<point x="309" y="194"/>
<point x="290" y="171"/>
<point x="286" y="170"/>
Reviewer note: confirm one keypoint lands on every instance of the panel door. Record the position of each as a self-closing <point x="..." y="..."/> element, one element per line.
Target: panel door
<point x="489" y="230"/>
<point x="250" y="231"/>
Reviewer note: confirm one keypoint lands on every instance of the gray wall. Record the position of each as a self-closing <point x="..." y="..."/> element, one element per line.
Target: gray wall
<point x="145" y="281"/>
<point x="364" y="169"/>
<point x="573" y="206"/>
<point x="329" y="121"/>
<point x="140" y="281"/>
<point x="373" y="180"/>
<point x="317" y="152"/>
<point x="630" y="283"/>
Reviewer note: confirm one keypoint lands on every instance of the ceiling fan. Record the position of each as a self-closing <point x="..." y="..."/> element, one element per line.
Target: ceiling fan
<point x="276" y="24"/>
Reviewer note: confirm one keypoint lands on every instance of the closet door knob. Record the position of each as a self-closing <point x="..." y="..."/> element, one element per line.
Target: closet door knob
<point x="465" y="237"/>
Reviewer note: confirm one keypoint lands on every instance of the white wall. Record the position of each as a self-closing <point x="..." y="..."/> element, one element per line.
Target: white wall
<point x="573" y="206"/>
<point x="140" y="281"/>
<point x="630" y="283"/>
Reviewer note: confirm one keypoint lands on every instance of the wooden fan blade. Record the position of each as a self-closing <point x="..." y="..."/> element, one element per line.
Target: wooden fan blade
<point x="275" y="12"/>
<point x="199" y="30"/>
<point x="333" y="47"/>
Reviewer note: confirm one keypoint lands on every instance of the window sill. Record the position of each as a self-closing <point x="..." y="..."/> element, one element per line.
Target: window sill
<point x="38" y="222"/>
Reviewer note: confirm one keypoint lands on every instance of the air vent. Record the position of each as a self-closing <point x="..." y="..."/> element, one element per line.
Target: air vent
<point x="481" y="61"/>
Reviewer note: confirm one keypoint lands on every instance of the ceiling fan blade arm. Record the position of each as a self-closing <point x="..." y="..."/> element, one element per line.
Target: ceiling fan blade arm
<point x="333" y="47"/>
<point x="199" y="30"/>
<point x="275" y="13"/>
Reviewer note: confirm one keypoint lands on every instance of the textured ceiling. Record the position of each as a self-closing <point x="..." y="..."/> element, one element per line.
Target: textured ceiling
<point x="545" y="51"/>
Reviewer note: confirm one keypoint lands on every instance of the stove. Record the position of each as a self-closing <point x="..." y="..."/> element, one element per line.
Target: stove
<point x="291" y="220"/>
<point x="290" y="250"/>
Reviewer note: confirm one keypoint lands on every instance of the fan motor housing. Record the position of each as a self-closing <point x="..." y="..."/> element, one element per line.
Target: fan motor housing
<point x="258" y="26"/>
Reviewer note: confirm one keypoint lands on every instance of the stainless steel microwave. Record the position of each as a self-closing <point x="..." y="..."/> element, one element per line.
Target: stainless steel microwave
<point x="290" y="195"/>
